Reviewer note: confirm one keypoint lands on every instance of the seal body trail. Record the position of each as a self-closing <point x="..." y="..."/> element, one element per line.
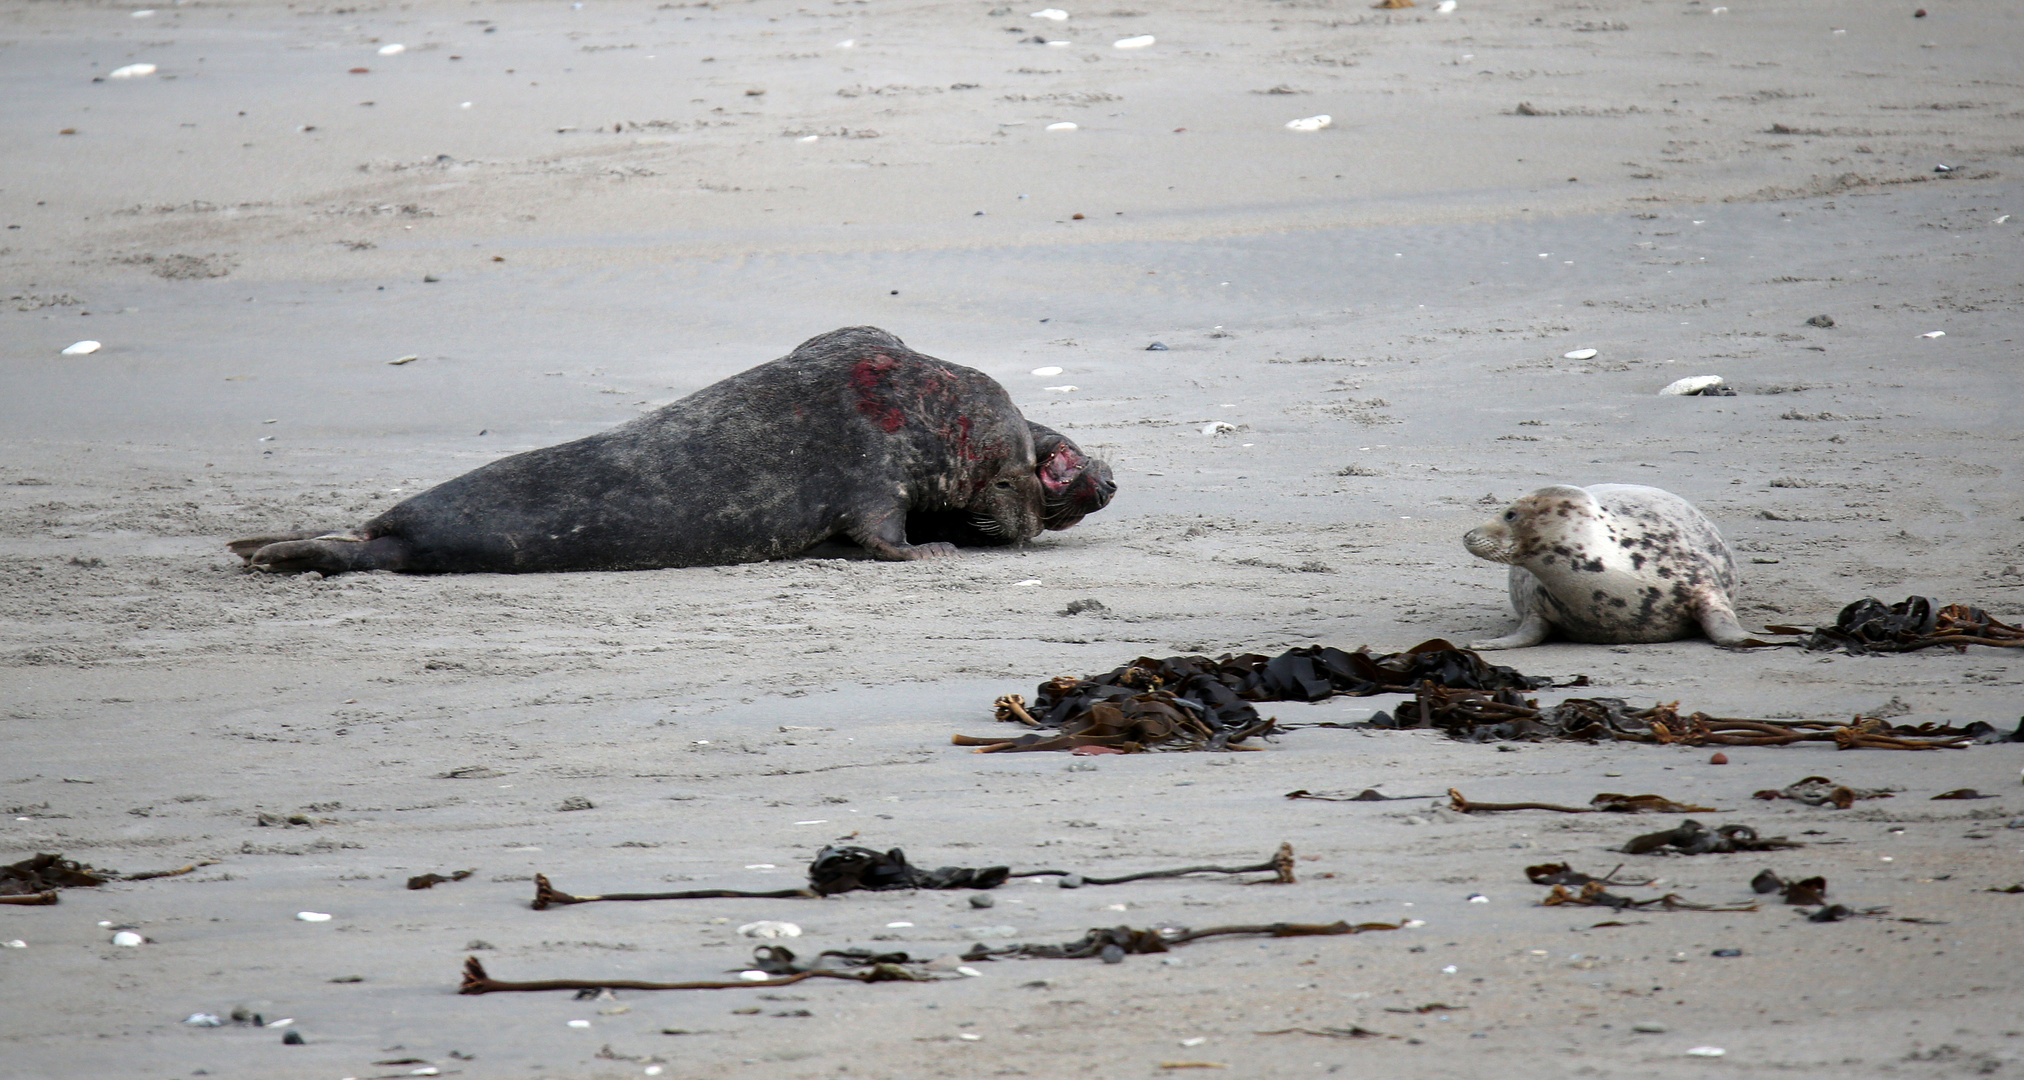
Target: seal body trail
<point x="1611" y="564"/>
<point x="845" y="437"/>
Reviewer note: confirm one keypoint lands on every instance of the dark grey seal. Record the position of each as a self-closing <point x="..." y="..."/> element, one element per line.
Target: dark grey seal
<point x="852" y="435"/>
<point x="1612" y="564"/>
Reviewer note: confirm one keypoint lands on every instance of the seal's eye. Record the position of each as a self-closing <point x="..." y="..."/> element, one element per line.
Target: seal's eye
<point x="1004" y="485"/>
<point x="1510" y="515"/>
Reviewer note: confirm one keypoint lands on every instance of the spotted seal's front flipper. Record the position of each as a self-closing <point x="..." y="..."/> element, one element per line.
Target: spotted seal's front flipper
<point x="1529" y="599"/>
<point x="331" y="553"/>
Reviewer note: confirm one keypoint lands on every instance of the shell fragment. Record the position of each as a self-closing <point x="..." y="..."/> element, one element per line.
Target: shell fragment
<point x="1691" y="385"/>
<point x="82" y="348"/>
<point x="128" y="939"/>
<point x="313" y="916"/>
<point x="1217" y="427"/>
<point x="1046" y="372"/>
<point x="131" y="71"/>
<point x="767" y="928"/>
<point x="1065" y="125"/>
<point x="1579" y="354"/>
<point x="1310" y="123"/>
<point x="392" y="50"/>
<point x="1050" y="14"/>
<point x="1934" y="334"/>
<point x="1139" y="42"/>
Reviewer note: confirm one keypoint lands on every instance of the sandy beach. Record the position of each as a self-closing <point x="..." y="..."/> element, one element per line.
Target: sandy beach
<point x="567" y="215"/>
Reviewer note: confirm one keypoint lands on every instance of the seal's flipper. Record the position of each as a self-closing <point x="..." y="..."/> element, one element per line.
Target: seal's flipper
<point x="1718" y="621"/>
<point x="1532" y="630"/>
<point x="246" y="547"/>
<point x="331" y="554"/>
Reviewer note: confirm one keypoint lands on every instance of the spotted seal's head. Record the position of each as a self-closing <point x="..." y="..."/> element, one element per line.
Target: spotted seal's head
<point x="1074" y="484"/>
<point x="1531" y="526"/>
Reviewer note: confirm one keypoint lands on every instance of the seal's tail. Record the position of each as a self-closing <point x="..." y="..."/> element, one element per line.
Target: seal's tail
<point x="331" y="553"/>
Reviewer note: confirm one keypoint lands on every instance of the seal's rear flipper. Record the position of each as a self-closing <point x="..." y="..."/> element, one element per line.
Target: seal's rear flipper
<point x="246" y="547"/>
<point x="333" y="554"/>
<point x="1718" y="621"/>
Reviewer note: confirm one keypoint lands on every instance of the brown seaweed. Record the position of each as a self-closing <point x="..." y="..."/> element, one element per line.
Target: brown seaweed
<point x="476" y="981"/>
<point x="1113" y="943"/>
<point x="1820" y="791"/>
<point x="1691" y="837"/>
<point x="1195" y="703"/>
<point x="1366" y="795"/>
<point x="1594" y="895"/>
<point x="1871" y="626"/>
<point x="1808" y="891"/>
<point x="1562" y="874"/>
<point x="34" y="881"/>
<point x="430" y="881"/>
<point x="1608" y="802"/>
<point x="1480" y="716"/>
<point x="546" y="895"/>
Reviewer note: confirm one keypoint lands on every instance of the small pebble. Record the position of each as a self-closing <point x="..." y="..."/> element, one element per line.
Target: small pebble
<point x="1156" y="347"/>
<point x="1649" y="1028"/>
<point x="128" y="939"/>
<point x="586" y="1023"/>
<point x="982" y="900"/>
<point x="1822" y="321"/>
<point x="293" y="1038"/>
<point x="1726" y="952"/>
<point x="392" y="50"/>
<point x="1719" y="759"/>
<point x="1310" y="123"/>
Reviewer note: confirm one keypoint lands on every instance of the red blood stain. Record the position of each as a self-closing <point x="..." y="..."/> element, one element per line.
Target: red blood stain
<point x="1092" y="751"/>
<point x="867" y="377"/>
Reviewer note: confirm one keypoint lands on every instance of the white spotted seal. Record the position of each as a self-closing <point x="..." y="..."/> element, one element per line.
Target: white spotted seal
<point x="849" y="436"/>
<point x="1611" y="564"/>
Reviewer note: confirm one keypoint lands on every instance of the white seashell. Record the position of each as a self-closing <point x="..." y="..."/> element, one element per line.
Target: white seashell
<point x="131" y="71"/>
<point x="579" y="1023"/>
<point x="17" y="943"/>
<point x="203" y="1020"/>
<point x="1059" y="44"/>
<point x="1065" y="125"/>
<point x="1310" y="123"/>
<point x="754" y="976"/>
<point x="408" y="359"/>
<point x="1055" y="14"/>
<point x="761" y="866"/>
<point x="1579" y="354"/>
<point x="1044" y="372"/>
<point x="1217" y="427"/>
<point x="2002" y="219"/>
<point x="143" y="13"/>
<point x="1062" y="389"/>
<point x="653" y="1070"/>
<point x="1445" y="7"/>
<point x="1706" y="1051"/>
<point x="1478" y="898"/>
<point x="1139" y="42"/>
<point x="817" y="821"/>
<point x="1449" y="970"/>
<point x="1196" y="1041"/>
<point x="898" y="925"/>
<point x="128" y="939"/>
<point x="464" y="105"/>
<point x="283" y="1022"/>
<point x="82" y="348"/>
<point x="767" y="928"/>
<point x="969" y="972"/>
<point x="1028" y="581"/>
<point x="392" y="50"/>
<point x="1934" y="333"/>
<point x="847" y="43"/>
<point x="1411" y="923"/>
<point x="313" y="916"/>
<point x="970" y="1036"/>
<point x="1718" y="11"/>
<point x="1690" y="384"/>
<point x="810" y="138"/>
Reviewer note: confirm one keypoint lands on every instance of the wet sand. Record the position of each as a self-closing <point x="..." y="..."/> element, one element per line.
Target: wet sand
<point x="1381" y="309"/>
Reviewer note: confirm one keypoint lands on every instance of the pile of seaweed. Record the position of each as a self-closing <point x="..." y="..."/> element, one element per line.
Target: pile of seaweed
<point x="1871" y="626"/>
<point x="1195" y="703"/>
